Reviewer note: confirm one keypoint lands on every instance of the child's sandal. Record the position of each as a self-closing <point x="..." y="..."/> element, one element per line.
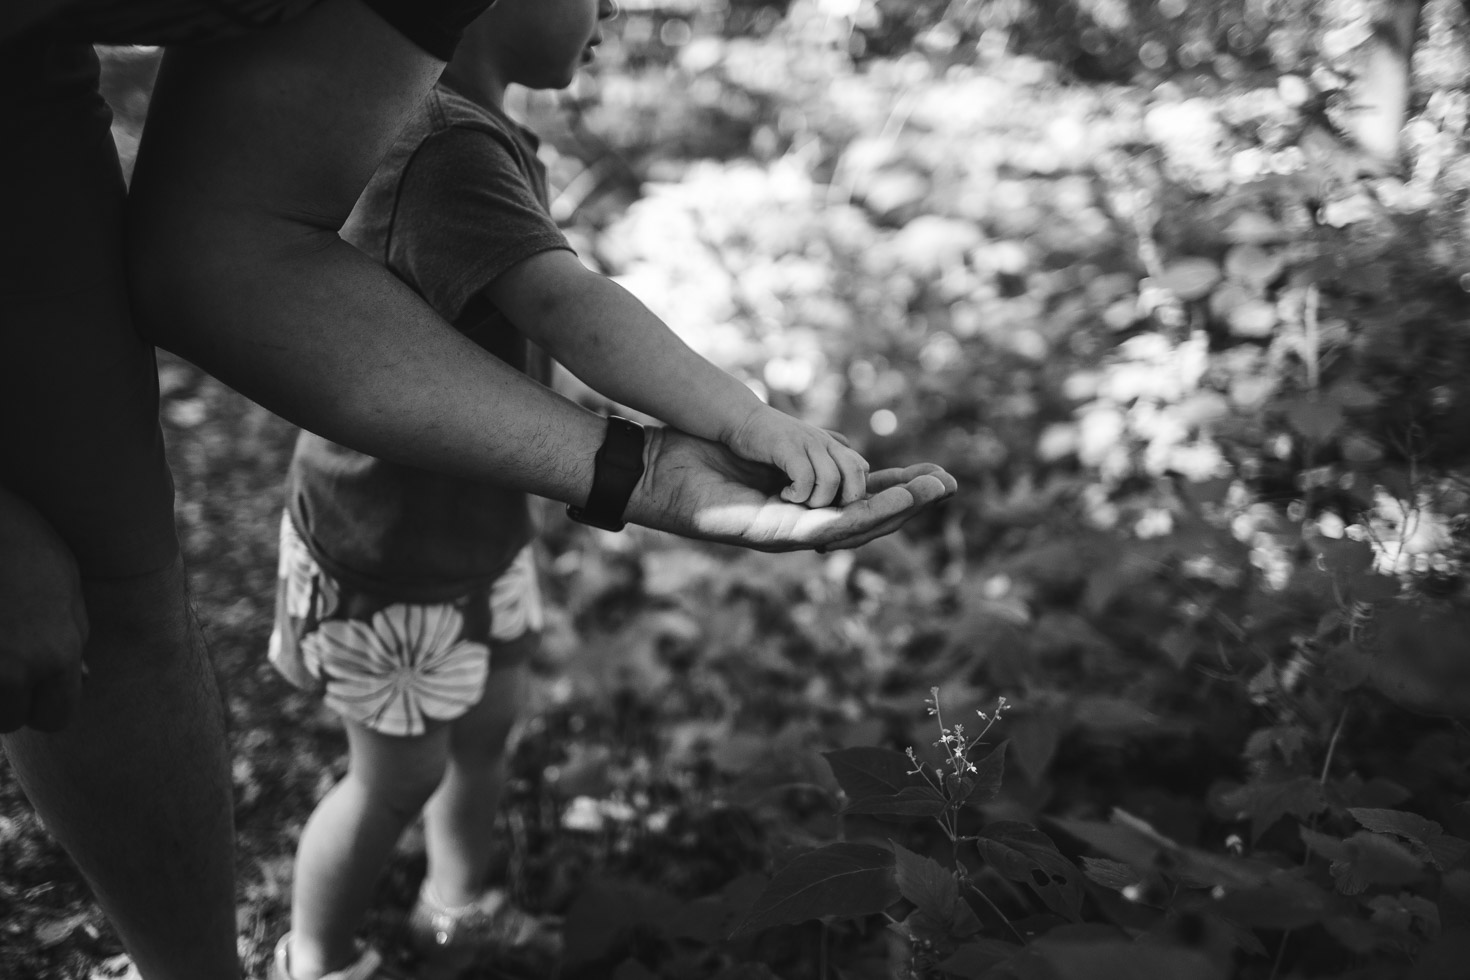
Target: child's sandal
<point x="449" y="937"/>
<point x="369" y="965"/>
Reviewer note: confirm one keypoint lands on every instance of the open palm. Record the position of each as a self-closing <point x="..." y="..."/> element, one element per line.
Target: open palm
<point x="700" y="489"/>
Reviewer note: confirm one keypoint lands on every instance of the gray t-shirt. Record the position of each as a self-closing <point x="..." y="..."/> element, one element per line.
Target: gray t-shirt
<point x="460" y="199"/>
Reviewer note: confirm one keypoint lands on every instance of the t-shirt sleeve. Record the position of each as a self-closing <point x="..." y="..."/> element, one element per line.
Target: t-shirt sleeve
<point x="465" y="214"/>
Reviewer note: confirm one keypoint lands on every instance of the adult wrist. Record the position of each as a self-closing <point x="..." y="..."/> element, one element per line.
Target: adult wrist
<point x="642" y="508"/>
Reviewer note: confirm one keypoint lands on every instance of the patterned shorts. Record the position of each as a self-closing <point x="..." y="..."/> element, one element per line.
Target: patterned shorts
<point x="395" y="666"/>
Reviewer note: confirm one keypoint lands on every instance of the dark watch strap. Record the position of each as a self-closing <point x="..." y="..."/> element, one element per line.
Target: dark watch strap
<point x="616" y="470"/>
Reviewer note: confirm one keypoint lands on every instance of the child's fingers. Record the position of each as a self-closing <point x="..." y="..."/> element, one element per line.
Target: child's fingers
<point x="828" y="478"/>
<point x="803" y="481"/>
<point x="854" y="470"/>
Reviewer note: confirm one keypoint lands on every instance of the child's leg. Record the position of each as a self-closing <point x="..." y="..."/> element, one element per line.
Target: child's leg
<point x="350" y="837"/>
<point x="458" y="818"/>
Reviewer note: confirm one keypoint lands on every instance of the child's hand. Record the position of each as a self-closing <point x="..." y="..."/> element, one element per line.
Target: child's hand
<point x="819" y="464"/>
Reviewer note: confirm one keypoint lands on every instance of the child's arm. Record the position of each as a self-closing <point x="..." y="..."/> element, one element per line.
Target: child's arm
<point x="608" y="338"/>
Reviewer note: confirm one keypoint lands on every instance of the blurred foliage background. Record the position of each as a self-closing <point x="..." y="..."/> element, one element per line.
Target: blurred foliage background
<point x="1180" y="293"/>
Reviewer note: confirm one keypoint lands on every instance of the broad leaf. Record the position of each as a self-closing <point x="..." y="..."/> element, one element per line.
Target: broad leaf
<point x="1110" y="874"/>
<point x="1399" y="823"/>
<point x="1317" y="421"/>
<point x="987" y="776"/>
<point x="926" y="883"/>
<point x="1135" y="843"/>
<point x="1285" y="902"/>
<point x="1022" y="853"/>
<point x="973" y="960"/>
<point x="1264" y="803"/>
<point x="841" y="880"/>
<point x="607" y="913"/>
<point x="1034" y="738"/>
<point x="631" y="969"/>
<point x="1343" y="557"/>
<point x="1366" y="859"/>
<point x="1446" y="851"/>
<point x="1190" y="277"/>
<point x="1120" y="960"/>
<point x="866" y="772"/>
<point x="911" y="801"/>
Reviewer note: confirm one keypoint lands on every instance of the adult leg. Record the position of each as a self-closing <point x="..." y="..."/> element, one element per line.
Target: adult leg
<point x="137" y="788"/>
<point x="458" y="818"/>
<point x="350" y="837"/>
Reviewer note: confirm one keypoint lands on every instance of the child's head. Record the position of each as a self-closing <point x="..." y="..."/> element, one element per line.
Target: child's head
<point x="537" y="43"/>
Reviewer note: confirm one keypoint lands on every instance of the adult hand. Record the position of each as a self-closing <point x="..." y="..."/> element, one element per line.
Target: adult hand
<point x="700" y="489"/>
<point x="43" y="622"/>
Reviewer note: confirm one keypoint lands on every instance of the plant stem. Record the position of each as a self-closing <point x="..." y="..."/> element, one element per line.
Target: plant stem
<point x="1280" y="954"/>
<point x="996" y="909"/>
<point x="1332" y="744"/>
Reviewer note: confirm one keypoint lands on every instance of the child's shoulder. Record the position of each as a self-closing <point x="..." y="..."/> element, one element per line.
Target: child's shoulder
<point x="447" y="110"/>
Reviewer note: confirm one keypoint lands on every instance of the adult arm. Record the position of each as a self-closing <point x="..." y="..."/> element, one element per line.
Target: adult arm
<point x="255" y="152"/>
<point x="43" y="623"/>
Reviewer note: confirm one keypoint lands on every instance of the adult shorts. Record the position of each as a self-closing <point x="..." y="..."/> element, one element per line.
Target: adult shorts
<point x="79" y="432"/>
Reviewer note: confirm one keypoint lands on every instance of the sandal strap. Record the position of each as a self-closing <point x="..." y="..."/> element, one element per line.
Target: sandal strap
<point x="368" y="965"/>
<point x="500" y="925"/>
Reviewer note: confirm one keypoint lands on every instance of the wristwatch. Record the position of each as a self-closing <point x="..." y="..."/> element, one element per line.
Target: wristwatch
<point x="616" y="469"/>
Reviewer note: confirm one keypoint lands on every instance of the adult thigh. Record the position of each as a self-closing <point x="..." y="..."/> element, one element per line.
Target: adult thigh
<point x="79" y="433"/>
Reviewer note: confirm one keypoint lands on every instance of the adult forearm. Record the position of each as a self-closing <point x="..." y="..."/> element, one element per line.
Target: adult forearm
<point x="316" y="331"/>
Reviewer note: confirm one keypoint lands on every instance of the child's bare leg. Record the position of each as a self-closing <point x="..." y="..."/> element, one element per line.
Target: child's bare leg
<point x="458" y="818"/>
<point x="350" y="838"/>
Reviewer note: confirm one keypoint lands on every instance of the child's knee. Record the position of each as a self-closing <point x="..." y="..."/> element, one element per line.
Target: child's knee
<point x="398" y="774"/>
<point x="404" y="795"/>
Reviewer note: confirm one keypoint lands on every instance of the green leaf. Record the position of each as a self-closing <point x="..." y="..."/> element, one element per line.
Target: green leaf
<point x="1134" y="842"/>
<point x="1111" y="715"/>
<point x="843" y="880"/>
<point x="1446" y="851"/>
<point x="1024" y="854"/>
<point x="1285" y="902"/>
<point x="1342" y="557"/>
<point x="912" y="801"/>
<point x="1265" y="802"/>
<point x="1372" y="587"/>
<point x="1353" y="395"/>
<point x="1190" y="278"/>
<point x="987" y="776"/>
<point x="1110" y="874"/>
<point x="1366" y="859"/>
<point x="631" y="969"/>
<point x="1400" y="823"/>
<point x="1253" y="264"/>
<point x="1314" y="420"/>
<point x="1119" y="960"/>
<point x="926" y="883"/>
<point x="866" y="772"/>
<point x="973" y="960"/>
<point x="607" y="913"/>
<point x="1034" y="739"/>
